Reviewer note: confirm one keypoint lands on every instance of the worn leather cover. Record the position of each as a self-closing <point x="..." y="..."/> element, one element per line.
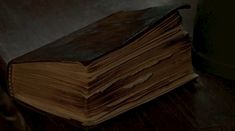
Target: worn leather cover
<point x="101" y="37"/>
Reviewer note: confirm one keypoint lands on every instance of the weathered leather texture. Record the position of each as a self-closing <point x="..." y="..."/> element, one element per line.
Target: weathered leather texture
<point x="101" y="37"/>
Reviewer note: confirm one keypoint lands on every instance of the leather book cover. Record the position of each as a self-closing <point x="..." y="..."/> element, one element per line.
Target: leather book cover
<point x="101" y="37"/>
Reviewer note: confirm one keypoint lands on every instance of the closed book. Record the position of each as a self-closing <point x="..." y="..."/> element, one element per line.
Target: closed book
<point x="106" y="68"/>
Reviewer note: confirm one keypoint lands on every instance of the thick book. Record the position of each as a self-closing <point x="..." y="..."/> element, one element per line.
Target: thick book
<point x="106" y="68"/>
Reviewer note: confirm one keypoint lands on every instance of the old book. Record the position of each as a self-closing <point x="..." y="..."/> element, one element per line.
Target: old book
<point x="102" y="70"/>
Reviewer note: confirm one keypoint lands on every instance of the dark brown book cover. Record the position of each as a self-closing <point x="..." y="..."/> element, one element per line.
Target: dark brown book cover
<point x="101" y="37"/>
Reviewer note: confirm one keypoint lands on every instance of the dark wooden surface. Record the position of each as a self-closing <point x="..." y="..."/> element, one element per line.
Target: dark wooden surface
<point x="203" y="104"/>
